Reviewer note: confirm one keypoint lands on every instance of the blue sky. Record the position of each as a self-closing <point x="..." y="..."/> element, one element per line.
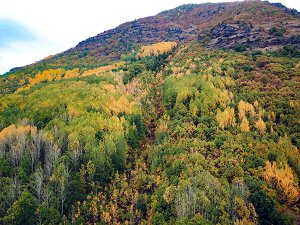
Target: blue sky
<point x="13" y="31"/>
<point x="33" y="29"/>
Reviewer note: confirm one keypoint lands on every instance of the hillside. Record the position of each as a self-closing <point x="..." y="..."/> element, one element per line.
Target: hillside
<point x="187" y="117"/>
<point x="246" y="25"/>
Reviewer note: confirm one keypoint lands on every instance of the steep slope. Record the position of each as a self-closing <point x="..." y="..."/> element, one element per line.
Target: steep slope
<point x="173" y="132"/>
<point x="254" y="25"/>
<point x="177" y="135"/>
<point x="239" y="25"/>
<point x="230" y="21"/>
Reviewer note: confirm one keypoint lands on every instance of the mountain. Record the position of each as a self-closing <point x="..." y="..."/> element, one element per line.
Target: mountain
<point x="187" y="117"/>
<point x="254" y="25"/>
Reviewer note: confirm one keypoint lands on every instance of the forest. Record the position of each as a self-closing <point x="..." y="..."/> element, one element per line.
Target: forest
<point x="169" y="134"/>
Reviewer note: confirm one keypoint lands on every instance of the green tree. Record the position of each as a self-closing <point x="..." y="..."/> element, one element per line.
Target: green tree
<point x="6" y="194"/>
<point x="23" y="210"/>
<point x="119" y="156"/>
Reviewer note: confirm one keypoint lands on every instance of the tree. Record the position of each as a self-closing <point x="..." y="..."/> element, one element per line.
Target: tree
<point x="23" y="210"/>
<point x="119" y="156"/>
<point x="264" y="205"/>
<point x="245" y="109"/>
<point x="6" y="195"/>
<point x="35" y="147"/>
<point x="61" y="179"/>
<point x="185" y="202"/>
<point x="156" y="49"/>
<point x="13" y="142"/>
<point x="48" y="215"/>
<point x="245" y="125"/>
<point x="38" y="183"/>
<point x="136" y="130"/>
<point x="5" y="168"/>
<point x="260" y="125"/>
<point x="283" y="180"/>
<point x="226" y="118"/>
<point x="52" y="153"/>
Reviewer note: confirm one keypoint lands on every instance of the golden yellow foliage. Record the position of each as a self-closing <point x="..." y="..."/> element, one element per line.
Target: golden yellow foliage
<point x="50" y="75"/>
<point x="48" y="57"/>
<point x="293" y="104"/>
<point x="47" y="75"/>
<point x="99" y="70"/>
<point x="216" y="68"/>
<point x="245" y="109"/>
<point x="224" y="98"/>
<point x="228" y="81"/>
<point x="260" y="125"/>
<point x="156" y="49"/>
<point x="272" y="116"/>
<point x="117" y="105"/>
<point x="245" y="125"/>
<point x="256" y="104"/>
<point x="246" y="213"/>
<point x="14" y="138"/>
<point x="22" y="88"/>
<point x="72" y="73"/>
<point x="283" y="180"/>
<point x="13" y="132"/>
<point x="11" y="77"/>
<point x="226" y="118"/>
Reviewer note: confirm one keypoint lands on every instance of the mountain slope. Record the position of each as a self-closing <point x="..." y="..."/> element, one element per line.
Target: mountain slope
<point x="187" y="22"/>
<point x="239" y="25"/>
<point x="227" y="25"/>
<point x="255" y="25"/>
<point x="180" y="130"/>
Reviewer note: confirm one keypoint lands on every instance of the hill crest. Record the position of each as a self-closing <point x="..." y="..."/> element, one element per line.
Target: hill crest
<point x="252" y="25"/>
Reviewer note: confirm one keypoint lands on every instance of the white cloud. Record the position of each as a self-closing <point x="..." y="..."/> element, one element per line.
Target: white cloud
<point x="64" y="23"/>
<point x="23" y="53"/>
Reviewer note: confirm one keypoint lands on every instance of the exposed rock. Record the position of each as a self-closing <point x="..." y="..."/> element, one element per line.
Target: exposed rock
<point x="221" y="25"/>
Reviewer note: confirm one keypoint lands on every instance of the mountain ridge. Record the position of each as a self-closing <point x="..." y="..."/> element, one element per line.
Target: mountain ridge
<point x="194" y="22"/>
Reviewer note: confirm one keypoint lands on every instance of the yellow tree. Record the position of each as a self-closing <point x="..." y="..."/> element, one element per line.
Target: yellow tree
<point x="13" y="142"/>
<point x="245" y="125"/>
<point x="156" y="49"/>
<point x="245" y="109"/>
<point x="72" y="73"/>
<point x="226" y="118"/>
<point x="260" y="125"/>
<point x="283" y="180"/>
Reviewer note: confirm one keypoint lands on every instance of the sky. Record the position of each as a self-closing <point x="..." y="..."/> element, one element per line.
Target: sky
<point x="33" y="29"/>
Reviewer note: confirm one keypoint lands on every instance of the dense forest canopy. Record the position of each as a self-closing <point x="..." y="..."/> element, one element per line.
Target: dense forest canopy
<point x="170" y="132"/>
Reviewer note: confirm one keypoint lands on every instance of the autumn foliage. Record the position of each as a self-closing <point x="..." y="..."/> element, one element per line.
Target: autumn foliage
<point x="282" y="178"/>
<point x="226" y="118"/>
<point x="170" y="134"/>
<point x="156" y="49"/>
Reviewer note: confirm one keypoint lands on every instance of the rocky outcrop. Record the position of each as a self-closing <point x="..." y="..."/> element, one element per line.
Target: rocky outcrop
<point x="221" y="25"/>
